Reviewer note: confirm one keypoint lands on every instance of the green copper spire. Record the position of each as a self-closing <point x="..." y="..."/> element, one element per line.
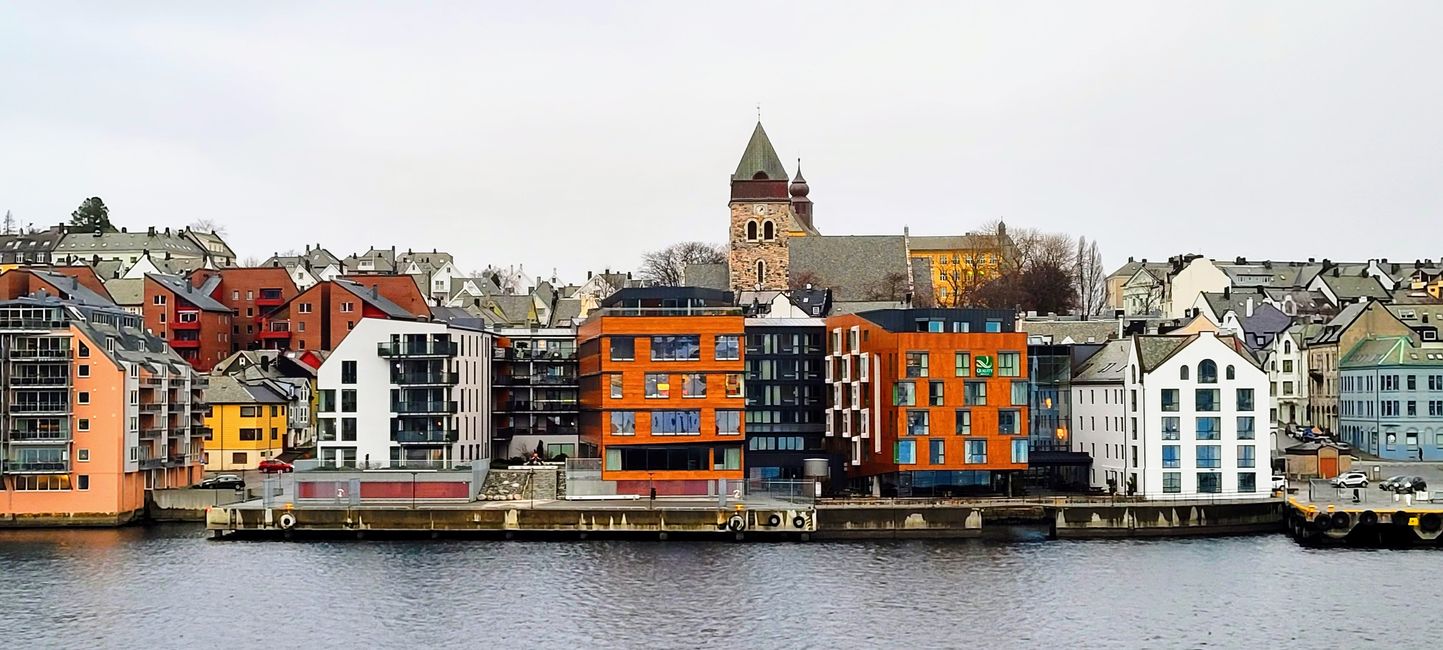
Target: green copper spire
<point x="760" y="158"/>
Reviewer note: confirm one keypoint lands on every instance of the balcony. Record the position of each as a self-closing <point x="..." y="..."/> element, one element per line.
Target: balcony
<point x="276" y="329"/>
<point x="425" y="436"/>
<point x="40" y="354"/>
<point x="14" y="466"/>
<point x="153" y="462"/>
<point x="185" y="343"/>
<point x="513" y="380"/>
<point x="423" y="407"/>
<point x="39" y="437"/>
<point x="270" y="298"/>
<point x="40" y="408"/>
<point x="405" y="350"/>
<point x="555" y="405"/>
<point x="508" y="432"/>
<point x="512" y="405"/>
<point x="62" y="381"/>
<point x="440" y="378"/>
<point x="152" y="407"/>
<point x="187" y="325"/>
<point x="554" y="380"/>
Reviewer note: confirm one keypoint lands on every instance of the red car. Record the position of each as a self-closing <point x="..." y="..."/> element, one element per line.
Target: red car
<point x="273" y="466"/>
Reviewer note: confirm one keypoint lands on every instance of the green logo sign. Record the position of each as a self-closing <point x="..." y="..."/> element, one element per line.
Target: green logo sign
<point x="984" y="366"/>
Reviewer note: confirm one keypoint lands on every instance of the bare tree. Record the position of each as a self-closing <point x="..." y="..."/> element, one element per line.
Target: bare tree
<point x="665" y="267"/>
<point x="251" y="261"/>
<point x="10" y="225"/>
<point x="892" y="286"/>
<point x="208" y="225"/>
<point x="803" y="279"/>
<point x="1091" y="278"/>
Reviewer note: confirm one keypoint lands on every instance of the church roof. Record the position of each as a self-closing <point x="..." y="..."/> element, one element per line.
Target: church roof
<point x="760" y="157"/>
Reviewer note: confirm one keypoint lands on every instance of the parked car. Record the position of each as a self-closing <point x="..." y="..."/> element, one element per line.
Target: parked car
<point x="1351" y="480"/>
<point x="1414" y="484"/>
<point x="275" y="465"/>
<point x="222" y="482"/>
<point x="1392" y="481"/>
<point x="1280" y="483"/>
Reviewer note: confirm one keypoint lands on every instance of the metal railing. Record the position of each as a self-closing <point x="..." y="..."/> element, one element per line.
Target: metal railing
<point x="669" y="311"/>
<point x="40" y="382"/>
<point x="40" y="354"/>
<point x="426" y="349"/>
<point x="424" y="407"/>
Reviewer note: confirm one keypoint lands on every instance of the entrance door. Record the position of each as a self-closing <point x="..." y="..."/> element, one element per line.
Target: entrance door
<point x="1327" y="466"/>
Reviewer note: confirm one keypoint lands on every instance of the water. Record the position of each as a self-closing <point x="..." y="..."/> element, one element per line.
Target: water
<point x="168" y="587"/>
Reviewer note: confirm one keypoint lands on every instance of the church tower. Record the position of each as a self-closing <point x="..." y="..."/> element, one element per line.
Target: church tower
<point x="764" y="216"/>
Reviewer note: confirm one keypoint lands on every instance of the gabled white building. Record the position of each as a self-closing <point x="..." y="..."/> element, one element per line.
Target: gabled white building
<point x="1288" y="378"/>
<point x="406" y="394"/>
<point x="1099" y="414"/>
<point x="1196" y="409"/>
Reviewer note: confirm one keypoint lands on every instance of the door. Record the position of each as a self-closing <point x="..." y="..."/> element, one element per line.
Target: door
<point x="1327" y="466"/>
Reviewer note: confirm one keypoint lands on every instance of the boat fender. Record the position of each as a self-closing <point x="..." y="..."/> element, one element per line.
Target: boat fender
<point x="1322" y="522"/>
<point x="1368" y="518"/>
<point x="288" y="521"/>
<point x="799" y="522"/>
<point x="1341" y="520"/>
<point x="1431" y="522"/>
<point x="774" y="520"/>
<point x="736" y="523"/>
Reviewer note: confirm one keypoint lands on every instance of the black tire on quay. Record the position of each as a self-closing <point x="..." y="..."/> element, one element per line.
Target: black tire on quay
<point x="1341" y="520"/>
<point x="1400" y="518"/>
<point x="1431" y="522"/>
<point x="1322" y="522"/>
<point x="1368" y="518"/>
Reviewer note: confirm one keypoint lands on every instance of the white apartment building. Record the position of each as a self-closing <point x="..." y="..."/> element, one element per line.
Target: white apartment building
<point x="1288" y="379"/>
<point x="1099" y="415"/>
<point x="1196" y="409"/>
<point x="406" y="394"/>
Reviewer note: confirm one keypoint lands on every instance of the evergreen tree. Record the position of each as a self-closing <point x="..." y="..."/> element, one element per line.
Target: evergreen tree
<point x="91" y="216"/>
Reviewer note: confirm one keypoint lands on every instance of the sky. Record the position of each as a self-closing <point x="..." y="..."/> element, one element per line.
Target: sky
<point x="574" y="136"/>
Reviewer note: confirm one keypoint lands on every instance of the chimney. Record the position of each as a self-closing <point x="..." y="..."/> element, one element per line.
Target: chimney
<point x="122" y="229"/>
<point x="1129" y="259"/>
<point x="588" y="275"/>
<point x="308" y="249"/>
<point x="1250" y="306"/>
<point x="150" y="232"/>
<point x="1226" y="293"/>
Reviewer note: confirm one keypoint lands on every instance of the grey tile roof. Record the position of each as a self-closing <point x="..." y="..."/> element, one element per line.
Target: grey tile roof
<point x="84" y="244"/>
<point x="759" y="157"/>
<point x="1349" y="287"/>
<point x="710" y="276"/>
<point x="853" y="266"/>
<point x="315" y="258"/>
<point x="1391" y="351"/>
<point x="840" y="308"/>
<point x="73" y="289"/>
<point x="1107" y="365"/>
<point x="1333" y="330"/>
<point x="566" y="310"/>
<point x="1130" y="269"/>
<point x="183" y="290"/>
<point x="127" y="292"/>
<point x="373" y="297"/>
<point x="226" y="389"/>
<point x="1264" y="325"/>
<point x="1078" y="331"/>
<point x="1153" y="350"/>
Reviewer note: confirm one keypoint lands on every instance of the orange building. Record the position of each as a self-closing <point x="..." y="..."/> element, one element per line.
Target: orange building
<point x="661" y="389"/>
<point x="97" y="412"/>
<point x="932" y="401"/>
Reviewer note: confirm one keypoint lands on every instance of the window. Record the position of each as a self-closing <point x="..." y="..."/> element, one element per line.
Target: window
<point x="693" y="385"/>
<point x="976" y="452"/>
<point x="1209" y="428"/>
<point x="728" y="423"/>
<point x="676" y="423"/>
<point x="1007" y="422"/>
<point x="963" y="364"/>
<point x="1169" y="399"/>
<point x="761" y="272"/>
<point x="1246" y="427"/>
<point x="1287" y="365"/>
<point x="1019" y="450"/>
<point x="658" y="386"/>
<point x="1412" y="407"/>
<point x="904" y="393"/>
<point x="1230" y="373"/>
<point x="1009" y="364"/>
<point x="1247" y="456"/>
<point x="348" y="401"/>
<point x="250" y="434"/>
<point x="1245" y="399"/>
<point x="939" y="452"/>
<point x="1209" y="456"/>
<point x="728" y="347"/>
<point x="964" y="423"/>
<point x="275" y="435"/>
<point x="275" y="410"/>
<point x="85" y="352"/>
<point x="83" y="482"/>
<point x="1247" y="482"/>
<point x="82" y="397"/>
<point x="751" y="230"/>
<point x="348" y="372"/>
<point x="614" y="380"/>
<point x="728" y="458"/>
<point x="623" y="423"/>
<point x="623" y="348"/>
<point x="1207" y="399"/>
<point x="1207" y="372"/>
<point x="734" y="384"/>
<point x="974" y="393"/>
<point x="916" y="364"/>
<point x="304" y="308"/>
<point x="904" y="452"/>
<point x="83" y="424"/>
<point x="82" y="455"/>
<point x="326" y="401"/>
<point x="1209" y="483"/>
<point x="1019" y="393"/>
<point x="348" y="307"/>
<point x="250" y="411"/>
<point x="769" y="230"/>
<point x="917" y="423"/>
<point x="83" y="370"/>
<point x="935" y="393"/>
<point x="239" y="458"/>
<point x="1171" y="482"/>
<point x="1171" y="427"/>
<point x="1411" y="437"/>
<point x="675" y="348"/>
<point x="1182" y="373"/>
<point x="1171" y="456"/>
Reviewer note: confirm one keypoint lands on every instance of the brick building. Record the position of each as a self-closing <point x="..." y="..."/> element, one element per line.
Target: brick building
<point x="187" y="317"/>
<point x="321" y="316"/>
<point x="252" y="293"/>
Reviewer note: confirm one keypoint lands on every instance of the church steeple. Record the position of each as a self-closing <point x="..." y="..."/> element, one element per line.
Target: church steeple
<point x="760" y="161"/>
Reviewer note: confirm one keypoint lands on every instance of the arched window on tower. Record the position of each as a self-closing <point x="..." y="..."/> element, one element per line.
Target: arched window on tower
<point x="761" y="272"/>
<point x="751" y="230"/>
<point x="760" y="176"/>
<point x="769" y="230"/>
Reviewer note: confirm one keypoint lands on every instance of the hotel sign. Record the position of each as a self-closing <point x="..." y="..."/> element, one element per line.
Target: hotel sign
<point x="983" y="366"/>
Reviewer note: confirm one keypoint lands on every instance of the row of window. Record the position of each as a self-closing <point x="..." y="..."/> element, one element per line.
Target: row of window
<point x="1009" y="364"/>
<point x="1209" y="482"/>
<point x="1209" y="428"/>
<point x="676" y="423"/>
<point x="974" y="393"/>
<point x="904" y="452"/>
<point x="1208" y="399"/>
<point x="677" y="348"/>
<point x="658" y="385"/>
<point x="1208" y="456"/>
<point x="1389" y="383"/>
<point x="1207" y="372"/>
<point x="919" y="422"/>
<point x="1387" y="408"/>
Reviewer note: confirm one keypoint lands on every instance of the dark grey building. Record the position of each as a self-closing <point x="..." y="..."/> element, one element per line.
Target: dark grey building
<point x="786" y="398"/>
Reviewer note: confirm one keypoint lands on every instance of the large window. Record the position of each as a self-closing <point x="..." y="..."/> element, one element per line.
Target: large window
<point x="250" y="411"/>
<point x="916" y="364"/>
<point x="904" y="393"/>
<point x="348" y="401"/>
<point x="964" y="423"/>
<point x="693" y="385"/>
<point x="1209" y="483"/>
<point x="658" y="385"/>
<point x="1209" y="428"/>
<point x="917" y="422"/>
<point x="1171" y="427"/>
<point x="728" y="423"/>
<point x="734" y="384"/>
<point x="1172" y="482"/>
<point x="963" y="367"/>
<point x="1207" y="399"/>
<point x="676" y="348"/>
<point x="1247" y="456"/>
<point x="1019" y="450"/>
<point x="1169" y="399"/>
<point x="1207" y="372"/>
<point x="1019" y="393"/>
<point x="623" y="423"/>
<point x="1246" y="427"/>
<point x="676" y="423"/>
<point x="728" y="458"/>
<point x="1247" y="482"/>
<point x="348" y="429"/>
<point x="939" y="452"/>
<point x="728" y="347"/>
<point x="1009" y="364"/>
<point x="1209" y="456"/>
<point x="250" y="435"/>
<point x="623" y="348"/>
<point x="1008" y="422"/>
<point x="935" y="393"/>
<point x="975" y="393"/>
<point x="1245" y="399"/>
<point x="905" y="452"/>
<point x="976" y="452"/>
<point x="1171" y="456"/>
<point x="348" y="372"/>
<point x="615" y="380"/>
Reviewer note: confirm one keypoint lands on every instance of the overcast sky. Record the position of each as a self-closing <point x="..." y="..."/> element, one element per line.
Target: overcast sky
<point x="577" y="135"/>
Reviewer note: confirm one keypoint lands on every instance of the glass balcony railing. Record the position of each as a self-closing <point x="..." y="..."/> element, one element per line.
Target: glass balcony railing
<point x="437" y="378"/>
<point x="394" y="349"/>
<point x="424" y="407"/>
<point x="424" y="436"/>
